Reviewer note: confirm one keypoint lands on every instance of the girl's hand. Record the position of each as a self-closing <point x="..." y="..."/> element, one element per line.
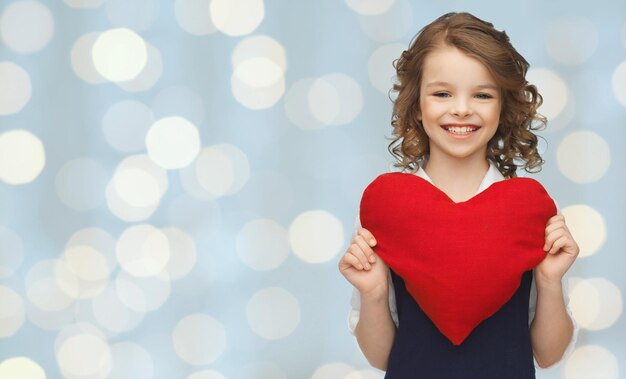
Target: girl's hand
<point x="562" y="251"/>
<point x="363" y="268"/>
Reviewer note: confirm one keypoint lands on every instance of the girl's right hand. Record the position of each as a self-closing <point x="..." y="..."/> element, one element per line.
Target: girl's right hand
<point x="363" y="268"/>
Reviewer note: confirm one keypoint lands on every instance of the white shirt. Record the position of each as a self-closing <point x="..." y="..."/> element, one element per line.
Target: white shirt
<point x="493" y="175"/>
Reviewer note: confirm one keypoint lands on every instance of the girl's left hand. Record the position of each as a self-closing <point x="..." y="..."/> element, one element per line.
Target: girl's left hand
<point x="562" y="251"/>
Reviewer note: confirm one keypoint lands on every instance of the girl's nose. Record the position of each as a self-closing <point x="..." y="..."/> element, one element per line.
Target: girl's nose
<point x="461" y="107"/>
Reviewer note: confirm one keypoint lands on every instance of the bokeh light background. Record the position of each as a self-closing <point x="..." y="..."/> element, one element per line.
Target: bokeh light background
<point x="178" y="179"/>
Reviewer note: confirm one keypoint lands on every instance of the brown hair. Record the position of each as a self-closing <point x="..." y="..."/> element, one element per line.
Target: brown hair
<point x="514" y="143"/>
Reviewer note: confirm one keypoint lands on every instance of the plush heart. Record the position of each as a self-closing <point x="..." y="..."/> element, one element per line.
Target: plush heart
<point x="463" y="261"/>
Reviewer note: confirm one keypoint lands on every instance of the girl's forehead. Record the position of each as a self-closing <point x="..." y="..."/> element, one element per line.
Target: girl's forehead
<point x="450" y="65"/>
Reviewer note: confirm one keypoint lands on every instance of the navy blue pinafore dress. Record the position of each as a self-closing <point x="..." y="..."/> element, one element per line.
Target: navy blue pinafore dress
<point x="498" y="348"/>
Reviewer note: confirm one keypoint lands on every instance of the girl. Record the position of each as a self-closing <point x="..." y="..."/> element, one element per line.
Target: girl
<point x="463" y="119"/>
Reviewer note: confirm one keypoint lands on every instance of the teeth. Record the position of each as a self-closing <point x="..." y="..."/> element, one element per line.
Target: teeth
<point x="460" y="129"/>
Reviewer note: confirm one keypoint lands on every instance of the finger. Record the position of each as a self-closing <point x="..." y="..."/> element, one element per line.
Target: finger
<point x="368" y="236"/>
<point x="558" y="244"/>
<point x="554" y="226"/>
<point x="552" y="237"/>
<point x="557" y="217"/>
<point x="356" y="250"/>
<point x="350" y="261"/>
<point x="367" y="250"/>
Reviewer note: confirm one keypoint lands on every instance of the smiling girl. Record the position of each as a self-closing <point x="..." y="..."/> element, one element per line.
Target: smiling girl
<point x="463" y="119"/>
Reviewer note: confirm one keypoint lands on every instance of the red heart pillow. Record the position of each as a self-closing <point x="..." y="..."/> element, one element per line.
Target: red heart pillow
<point x="463" y="261"/>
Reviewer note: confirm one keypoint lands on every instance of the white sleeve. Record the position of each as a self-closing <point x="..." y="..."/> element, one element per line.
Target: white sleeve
<point x="355" y="300"/>
<point x="532" y="308"/>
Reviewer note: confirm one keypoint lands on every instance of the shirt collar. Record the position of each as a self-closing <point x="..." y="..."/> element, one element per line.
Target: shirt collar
<point x="493" y="175"/>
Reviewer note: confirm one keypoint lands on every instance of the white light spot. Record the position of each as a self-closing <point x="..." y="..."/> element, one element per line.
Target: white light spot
<point x="26" y="26"/>
<point x="618" y="81"/>
<point x="82" y="62"/>
<point x="587" y="226"/>
<point x="84" y="3"/>
<point x="257" y="97"/>
<point x="273" y="313"/>
<point x="335" y="99"/>
<point x="11" y="312"/>
<point x="316" y="236"/>
<point x="583" y="157"/>
<point x="86" y="263"/>
<point x="173" y="142"/>
<point x="591" y="361"/>
<point x="260" y="46"/>
<point x="237" y="17"/>
<point x="364" y="374"/>
<point x="258" y="72"/>
<point x="596" y="303"/>
<point x="207" y="374"/>
<point x="184" y="256"/>
<point x="125" y="125"/>
<point x="143" y="250"/>
<point x="553" y="90"/>
<point x="136" y="187"/>
<point x="97" y="239"/>
<point x="111" y="313"/>
<point x="143" y="294"/>
<point x="297" y="105"/>
<point x="137" y="14"/>
<point x="15" y="88"/>
<point x="119" y="54"/>
<point x="150" y="74"/>
<point x="44" y="290"/>
<point x="21" y="368"/>
<point x="179" y="101"/>
<point x="380" y="66"/>
<point x="263" y="244"/>
<point x="11" y="252"/>
<point x="50" y="320"/>
<point x="194" y="17"/>
<point x="333" y="370"/>
<point x="84" y="354"/>
<point x="199" y="339"/>
<point x="80" y="184"/>
<point x="392" y="25"/>
<point x="222" y="169"/>
<point x="571" y="41"/>
<point x="130" y="360"/>
<point x="370" y="7"/>
<point x="23" y="157"/>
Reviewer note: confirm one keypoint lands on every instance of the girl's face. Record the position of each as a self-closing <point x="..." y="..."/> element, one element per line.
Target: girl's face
<point x="460" y="104"/>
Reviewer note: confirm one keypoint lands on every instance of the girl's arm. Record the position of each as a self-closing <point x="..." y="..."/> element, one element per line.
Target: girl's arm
<point x="552" y="329"/>
<point x="369" y="274"/>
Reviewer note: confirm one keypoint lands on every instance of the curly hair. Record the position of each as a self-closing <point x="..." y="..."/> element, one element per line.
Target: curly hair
<point x="514" y="143"/>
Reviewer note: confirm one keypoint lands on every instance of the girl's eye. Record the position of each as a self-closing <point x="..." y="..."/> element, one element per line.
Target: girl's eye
<point x="441" y="94"/>
<point x="484" y="96"/>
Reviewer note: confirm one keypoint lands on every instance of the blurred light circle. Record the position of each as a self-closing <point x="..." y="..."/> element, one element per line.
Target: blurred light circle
<point x="206" y="374"/>
<point x="260" y="46"/>
<point x="596" y="303"/>
<point x="392" y="25"/>
<point x="618" y="82"/>
<point x="553" y="90"/>
<point x="591" y="361"/>
<point x="587" y="226"/>
<point x="130" y="360"/>
<point x="143" y="294"/>
<point x="12" y="314"/>
<point x="125" y="125"/>
<point x="136" y="187"/>
<point x="26" y="26"/>
<point x="80" y="184"/>
<point x="84" y="3"/>
<point x="258" y="72"/>
<point x="257" y="97"/>
<point x="50" y="320"/>
<point x="380" y="68"/>
<point x="222" y="169"/>
<point x="297" y="105"/>
<point x="583" y="157"/>
<point x="82" y="60"/>
<point x="273" y="313"/>
<point x="23" y="157"/>
<point x="237" y="17"/>
<point x="316" y="236"/>
<point x="193" y="16"/>
<point x="335" y="99"/>
<point x="72" y="273"/>
<point x="15" y="88"/>
<point x="333" y="370"/>
<point x="370" y="7"/>
<point x="11" y="252"/>
<point x="98" y="239"/>
<point x="84" y="354"/>
<point x="571" y="41"/>
<point x="173" y="142"/>
<point x="263" y="244"/>
<point x="184" y="257"/>
<point x="21" y="368"/>
<point x="86" y="263"/>
<point x="125" y="211"/>
<point x="119" y="54"/>
<point x="44" y="290"/>
<point x="199" y="339"/>
<point x="137" y="14"/>
<point x="112" y="314"/>
<point x="143" y="250"/>
<point x="149" y="75"/>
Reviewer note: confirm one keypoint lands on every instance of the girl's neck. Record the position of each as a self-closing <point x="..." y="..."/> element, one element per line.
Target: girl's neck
<point x="458" y="178"/>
